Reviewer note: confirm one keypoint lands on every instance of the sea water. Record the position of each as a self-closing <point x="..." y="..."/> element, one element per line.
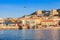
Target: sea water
<point x="30" y="34"/>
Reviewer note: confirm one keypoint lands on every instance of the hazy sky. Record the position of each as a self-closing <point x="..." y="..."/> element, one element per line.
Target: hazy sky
<point x="18" y="8"/>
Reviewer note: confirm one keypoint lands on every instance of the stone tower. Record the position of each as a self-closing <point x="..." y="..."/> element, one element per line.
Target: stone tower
<point x="39" y="12"/>
<point x="53" y="12"/>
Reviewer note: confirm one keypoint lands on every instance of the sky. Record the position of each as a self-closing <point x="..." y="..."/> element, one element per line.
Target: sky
<point x="19" y="8"/>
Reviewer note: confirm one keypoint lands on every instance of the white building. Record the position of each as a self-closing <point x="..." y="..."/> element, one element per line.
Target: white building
<point x="1" y="21"/>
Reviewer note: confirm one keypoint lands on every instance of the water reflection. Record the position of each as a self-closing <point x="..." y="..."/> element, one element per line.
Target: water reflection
<point x="29" y="34"/>
<point x="43" y="35"/>
<point x="55" y="34"/>
<point x="59" y="35"/>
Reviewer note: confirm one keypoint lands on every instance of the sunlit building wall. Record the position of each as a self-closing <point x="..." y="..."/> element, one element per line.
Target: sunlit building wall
<point x="39" y="13"/>
<point x="53" y="12"/>
<point x="48" y="22"/>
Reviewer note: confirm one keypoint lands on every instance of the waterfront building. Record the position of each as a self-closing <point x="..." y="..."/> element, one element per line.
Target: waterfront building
<point x="10" y="21"/>
<point x="34" y="21"/>
<point x="1" y="21"/>
<point x="48" y="23"/>
<point x="13" y="21"/>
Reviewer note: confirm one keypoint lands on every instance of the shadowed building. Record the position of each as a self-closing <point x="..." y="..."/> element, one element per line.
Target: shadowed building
<point x="46" y="13"/>
<point x="58" y="10"/>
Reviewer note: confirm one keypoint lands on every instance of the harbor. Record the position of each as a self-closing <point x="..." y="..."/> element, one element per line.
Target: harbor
<point x="29" y="19"/>
<point x="46" y="34"/>
<point x="39" y="19"/>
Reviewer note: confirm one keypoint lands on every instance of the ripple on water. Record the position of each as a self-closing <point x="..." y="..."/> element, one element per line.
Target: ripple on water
<point x="28" y="34"/>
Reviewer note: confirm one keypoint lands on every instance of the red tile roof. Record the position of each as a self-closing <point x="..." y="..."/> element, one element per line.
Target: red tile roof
<point x="47" y="20"/>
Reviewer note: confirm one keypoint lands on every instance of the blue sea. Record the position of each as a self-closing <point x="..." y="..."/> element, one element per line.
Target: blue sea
<point x="30" y="34"/>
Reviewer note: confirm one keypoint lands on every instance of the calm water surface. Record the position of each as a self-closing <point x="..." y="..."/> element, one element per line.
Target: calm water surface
<point x="30" y="34"/>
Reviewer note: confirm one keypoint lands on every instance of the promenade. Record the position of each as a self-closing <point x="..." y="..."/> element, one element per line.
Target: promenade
<point x="24" y="28"/>
<point x="8" y="27"/>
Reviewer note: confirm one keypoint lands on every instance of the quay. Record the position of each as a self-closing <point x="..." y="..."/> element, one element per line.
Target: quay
<point x="24" y="28"/>
<point x="9" y="28"/>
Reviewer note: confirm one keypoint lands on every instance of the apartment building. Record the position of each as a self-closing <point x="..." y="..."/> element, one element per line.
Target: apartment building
<point x="1" y="21"/>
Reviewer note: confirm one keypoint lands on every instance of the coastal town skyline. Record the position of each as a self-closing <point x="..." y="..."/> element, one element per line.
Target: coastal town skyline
<point x="19" y="8"/>
<point x="29" y="19"/>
